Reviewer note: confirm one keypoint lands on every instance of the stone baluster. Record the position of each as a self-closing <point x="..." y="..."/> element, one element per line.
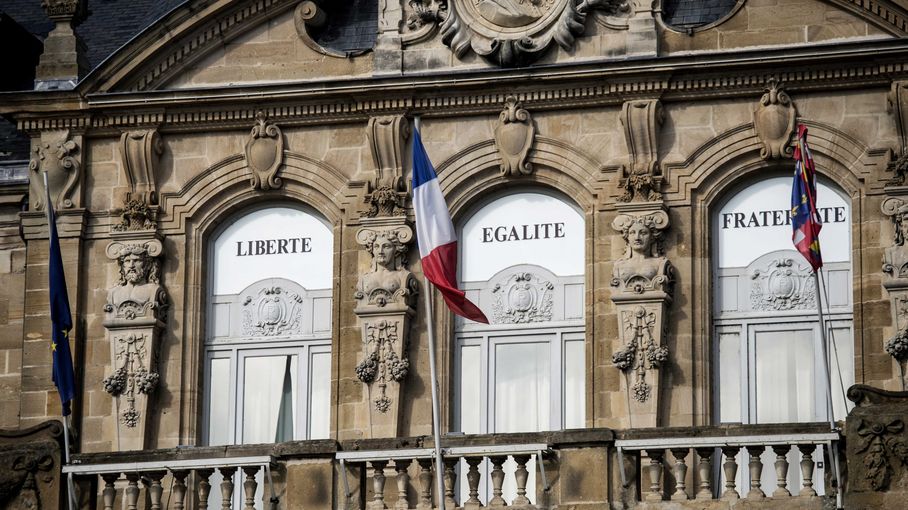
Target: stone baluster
<point x="204" y="487"/>
<point x="521" y="475"/>
<point x="704" y="470"/>
<point x="449" y="481"/>
<point x="497" y="476"/>
<point x="680" y="472"/>
<point x="378" y="484"/>
<point x="473" y="481"/>
<point x="178" y="492"/>
<point x="152" y="483"/>
<point x="730" y="469"/>
<point x="249" y="486"/>
<point x="401" y="465"/>
<point x="110" y="492"/>
<point x="425" y="484"/>
<point x="655" y="474"/>
<point x="755" y="466"/>
<point x="781" y="452"/>
<point x="807" y="466"/>
<point x="227" y="487"/>
<point x="132" y="491"/>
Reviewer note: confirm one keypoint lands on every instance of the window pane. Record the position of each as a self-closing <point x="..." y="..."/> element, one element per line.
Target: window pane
<point x="269" y="398"/>
<point x="470" y="385"/>
<point x="522" y="387"/>
<point x="841" y="366"/>
<point x="320" y="395"/>
<point x="785" y="388"/>
<point x="219" y="401"/>
<point x="730" y="377"/>
<point x="574" y="385"/>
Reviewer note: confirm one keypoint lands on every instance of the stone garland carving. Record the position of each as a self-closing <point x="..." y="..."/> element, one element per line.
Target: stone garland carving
<point x="643" y="267"/>
<point x="132" y="377"/>
<point x="30" y="457"/>
<point x="882" y="444"/>
<point x="878" y="455"/>
<point x="642" y="179"/>
<point x="781" y="286"/>
<point x="774" y="122"/>
<point x="382" y="365"/>
<point x="522" y="298"/>
<point x="514" y="138"/>
<point x="895" y="267"/>
<point x="513" y="33"/>
<point x="265" y="153"/>
<point x="56" y="153"/>
<point x="138" y="293"/>
<point x="135" y="215"/>
<point x="387" y="138"/>
<point x="274" y="311"/>
<point x="642" y="353"/>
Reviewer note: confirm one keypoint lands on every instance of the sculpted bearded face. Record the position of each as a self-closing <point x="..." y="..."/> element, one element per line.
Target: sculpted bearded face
<point x="135" y="269"/>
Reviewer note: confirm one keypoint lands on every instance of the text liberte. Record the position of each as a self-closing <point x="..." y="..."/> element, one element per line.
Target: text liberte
<point x="777" y="218"/>
<point x="523" y="232"/>
<point x="274" y="246"/>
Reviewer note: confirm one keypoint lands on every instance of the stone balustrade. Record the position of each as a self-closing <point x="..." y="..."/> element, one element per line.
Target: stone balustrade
<point x="730" y="464"/>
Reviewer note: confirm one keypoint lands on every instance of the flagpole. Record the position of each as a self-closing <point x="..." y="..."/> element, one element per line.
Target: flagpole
<point x="69" y="486"/>
<point x="816" y="283"/>
<point x="436" y="433"/>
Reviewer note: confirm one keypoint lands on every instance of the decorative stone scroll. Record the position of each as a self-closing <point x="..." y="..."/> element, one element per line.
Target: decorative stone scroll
<point x="513" y="33"/>
<point x="895" y="281"/>
<point x="514" y="138"/>
<point x="877" y="447"/>
<point x="643" y="280"/>
<point x="423" y="18"/>
<point x="134" y="317"/>
<point x="139" y="152"/>
<point x="774" y="122"/>
<point x="265" y="153"/>
<point x="642" y="178"/>
<point x="385" y="302"/>
<point x="387" y="138"/>
<point x="57" y="154"/>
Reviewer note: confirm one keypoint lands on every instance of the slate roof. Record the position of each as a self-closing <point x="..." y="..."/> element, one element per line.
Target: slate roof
<point x="694" y="13"/>
<point x="351" y="25"/>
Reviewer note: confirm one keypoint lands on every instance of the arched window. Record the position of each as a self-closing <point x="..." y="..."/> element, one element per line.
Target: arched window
<point x="268" y="336"/>
<point x="767" y="342"/>
<point x="522" y="262"/>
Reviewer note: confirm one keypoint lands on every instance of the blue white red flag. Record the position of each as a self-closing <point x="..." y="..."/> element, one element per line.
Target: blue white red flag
<point x="805" y="221"/>
<point x="436" y="237"/>
<point x="60" y="319"/>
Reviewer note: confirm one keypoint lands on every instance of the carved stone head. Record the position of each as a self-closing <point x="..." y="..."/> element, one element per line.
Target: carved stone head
<point x="643" y="234"/>
<point x="139" y="262"/>
<point x="387" y="247"/>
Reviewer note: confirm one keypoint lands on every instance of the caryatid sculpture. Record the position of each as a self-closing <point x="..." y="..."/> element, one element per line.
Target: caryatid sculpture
<point x="135" y="311"/>
<point x="895" y="266"/>
<point x="642" y="280"/>
<point x="386" y="297"/>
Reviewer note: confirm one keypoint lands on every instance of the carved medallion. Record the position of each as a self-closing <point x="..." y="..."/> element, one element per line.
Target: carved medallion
<point x="265" y="153"/>
<point x="272" y="312"/>
<point x="517" y="32"/>
<point x="774" y="122"/>
<point x="514" y="137"/>
<point x="782" y="286"/>
<point x="521" y="299"/>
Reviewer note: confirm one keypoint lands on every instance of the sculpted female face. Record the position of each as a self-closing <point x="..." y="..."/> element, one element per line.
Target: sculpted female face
<point x="383" y="251"/>
<point x="639" y="238"/>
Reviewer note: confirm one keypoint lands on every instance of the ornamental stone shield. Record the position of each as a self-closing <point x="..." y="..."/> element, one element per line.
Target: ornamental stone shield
<point x="273" y="311"/>
<point x="517" y="32"/>
<point x="782" y="285"/>
<point x="522" y="298"/>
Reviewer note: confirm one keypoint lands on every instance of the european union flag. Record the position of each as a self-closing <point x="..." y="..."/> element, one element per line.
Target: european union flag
<point x="60" y="318"/>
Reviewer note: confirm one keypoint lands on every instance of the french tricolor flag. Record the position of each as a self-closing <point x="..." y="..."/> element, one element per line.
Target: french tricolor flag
<point x="435" y="235"/>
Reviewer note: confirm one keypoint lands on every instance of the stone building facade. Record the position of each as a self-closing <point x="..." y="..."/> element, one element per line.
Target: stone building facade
<point x="231" y="184"/>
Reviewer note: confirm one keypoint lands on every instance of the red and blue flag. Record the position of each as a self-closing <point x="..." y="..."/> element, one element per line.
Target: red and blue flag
<point x="805" y="221"/>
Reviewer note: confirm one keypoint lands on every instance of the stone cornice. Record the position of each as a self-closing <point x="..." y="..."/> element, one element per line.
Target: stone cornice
<point x="704" y="76"/>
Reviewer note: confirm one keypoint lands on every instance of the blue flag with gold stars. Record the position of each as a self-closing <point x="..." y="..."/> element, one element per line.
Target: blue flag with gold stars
<point x="61" y="320"/>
